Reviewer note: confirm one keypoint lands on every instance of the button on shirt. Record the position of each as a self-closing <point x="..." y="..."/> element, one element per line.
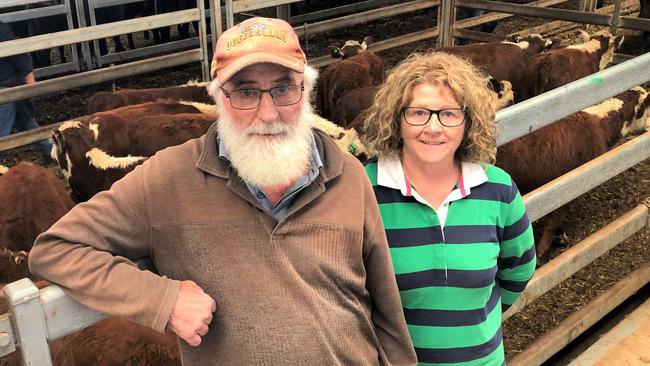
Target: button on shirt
<point x="280" y="210"/>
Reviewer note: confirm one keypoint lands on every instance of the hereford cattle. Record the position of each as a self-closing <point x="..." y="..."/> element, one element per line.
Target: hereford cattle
<point x="98" y="151"/>
<point x="113" y="341"/>
<point x="353" y="71"/>
<point x="353" y="50"/>
<point x="558" y="67"/>
<point x="504" y="60"/>
<point x="33" y="198"/>
<point x="350" y="105"/>
<point x="191" y="92"/>
<point x="13" y="266"/>
<point x="346" y="139"/>
<point x="541" y="156"/>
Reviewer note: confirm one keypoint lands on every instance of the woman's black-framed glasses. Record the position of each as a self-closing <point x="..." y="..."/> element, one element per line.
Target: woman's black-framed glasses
<point x="450" y="117"/>
<point x="283" y="95"/>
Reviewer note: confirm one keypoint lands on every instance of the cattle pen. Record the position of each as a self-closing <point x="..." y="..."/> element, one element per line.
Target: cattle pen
<point x="40" y="316"/>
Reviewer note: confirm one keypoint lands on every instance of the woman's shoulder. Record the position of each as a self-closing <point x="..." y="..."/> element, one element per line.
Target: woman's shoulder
<point x="496" y="174"/>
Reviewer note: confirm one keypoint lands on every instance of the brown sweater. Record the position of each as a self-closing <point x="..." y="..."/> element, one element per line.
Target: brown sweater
<point x="315" y="289"/>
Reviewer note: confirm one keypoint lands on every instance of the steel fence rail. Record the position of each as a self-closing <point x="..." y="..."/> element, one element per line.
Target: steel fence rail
<point x="539" y="111"/>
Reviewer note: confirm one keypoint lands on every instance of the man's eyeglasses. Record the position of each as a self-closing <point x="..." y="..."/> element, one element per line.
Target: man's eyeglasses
<point x="250" y="98"/>
<point x="451" y="117"/>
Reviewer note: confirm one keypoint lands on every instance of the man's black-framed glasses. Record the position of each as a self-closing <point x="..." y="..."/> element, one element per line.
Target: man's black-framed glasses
<point x="283" y="95"/>
<point x="450" y="117"/>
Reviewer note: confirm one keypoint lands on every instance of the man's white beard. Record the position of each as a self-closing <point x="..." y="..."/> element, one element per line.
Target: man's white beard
<point x="268" y="163"/>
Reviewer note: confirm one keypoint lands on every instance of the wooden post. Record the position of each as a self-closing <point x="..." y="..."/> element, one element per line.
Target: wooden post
<point x="613" y="27"/>
<point x="203" y="42"/>
<point x="446" y="16"/>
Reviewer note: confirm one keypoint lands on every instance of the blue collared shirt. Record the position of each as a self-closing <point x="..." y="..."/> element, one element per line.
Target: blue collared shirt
<point x="280" y="210"/>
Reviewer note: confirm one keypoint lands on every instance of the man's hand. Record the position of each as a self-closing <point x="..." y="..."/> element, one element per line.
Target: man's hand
<point x="192" y="313"/>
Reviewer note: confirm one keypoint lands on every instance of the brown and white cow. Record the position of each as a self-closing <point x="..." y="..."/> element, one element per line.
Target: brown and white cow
<point x="113" y="341"/>
<point x="33" y="198"/>
<point x="359" y="68"/>
<point x="190" y="92"/>
<point x="543" y="155"/>
<point x="100" y="149"/>
<point x="504" y="60"/>
<point x="558" y="67"/>
<point x="352" y="103"/>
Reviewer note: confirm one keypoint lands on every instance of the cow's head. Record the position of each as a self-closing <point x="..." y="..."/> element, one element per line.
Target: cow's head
<point x="641" y="121"/>
<point x="607" y="45"/>
<point x="351" y="48"/>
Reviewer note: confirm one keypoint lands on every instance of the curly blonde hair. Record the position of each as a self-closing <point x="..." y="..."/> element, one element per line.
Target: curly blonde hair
<point x="470" y="87"/>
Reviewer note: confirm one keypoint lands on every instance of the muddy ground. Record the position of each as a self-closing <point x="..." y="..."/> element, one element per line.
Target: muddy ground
<point x="585" y="215"/>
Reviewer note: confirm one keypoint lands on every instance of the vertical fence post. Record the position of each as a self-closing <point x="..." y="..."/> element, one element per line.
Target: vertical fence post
<point x="230" y="14"/>
<point x="203" y="42"/>
<point x="282" y="12"/>
<point x="85" y="46"/>
<point x="215" y="21"/>
<point x="613" y="25"/>
<point x="73" y="47"/>
<point x="25" y="306"/>
<point x="446" y="13"/>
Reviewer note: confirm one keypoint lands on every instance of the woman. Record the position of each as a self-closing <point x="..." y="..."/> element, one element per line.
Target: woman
<point x="461" y="243"/>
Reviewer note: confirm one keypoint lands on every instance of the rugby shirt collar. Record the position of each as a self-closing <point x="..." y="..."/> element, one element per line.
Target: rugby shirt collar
<point x="390" y="174"/>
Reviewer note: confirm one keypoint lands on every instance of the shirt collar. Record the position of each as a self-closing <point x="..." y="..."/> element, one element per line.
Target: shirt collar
<point x="390" y="174"/>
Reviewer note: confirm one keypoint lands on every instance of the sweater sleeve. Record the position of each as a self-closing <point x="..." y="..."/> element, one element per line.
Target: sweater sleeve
<point x="89" y="253"/>
<point x="387" y="314"/>
<point x="516" y="259"/>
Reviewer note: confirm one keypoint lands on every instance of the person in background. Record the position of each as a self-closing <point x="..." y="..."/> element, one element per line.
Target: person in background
<point x="461" y="242"/>
<point x="267" y="238"/>
<point x="14" y="71"/>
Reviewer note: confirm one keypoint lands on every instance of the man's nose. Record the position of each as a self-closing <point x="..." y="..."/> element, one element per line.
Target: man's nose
<point x="267" y="110"/>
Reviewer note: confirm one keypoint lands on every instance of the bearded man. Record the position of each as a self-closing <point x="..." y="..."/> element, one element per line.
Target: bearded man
<point x="267" y="239"/>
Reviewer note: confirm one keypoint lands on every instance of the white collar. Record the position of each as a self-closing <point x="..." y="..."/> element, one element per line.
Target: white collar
<point x="390" y="173"/>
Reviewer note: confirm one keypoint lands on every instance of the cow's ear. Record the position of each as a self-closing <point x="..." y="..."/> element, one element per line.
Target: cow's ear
<point x="515" y="38"/>
<point x="367" y="42"/>
<point x="335" y="52"/>
<point x="618" y="42"/>
<point x="582" y="36"/>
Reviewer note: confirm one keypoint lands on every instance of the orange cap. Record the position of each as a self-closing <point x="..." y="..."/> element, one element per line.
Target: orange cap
<point x="253" y="41"/>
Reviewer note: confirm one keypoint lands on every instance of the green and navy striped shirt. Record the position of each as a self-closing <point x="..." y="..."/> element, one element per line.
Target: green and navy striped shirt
<point x="458" y="266"/>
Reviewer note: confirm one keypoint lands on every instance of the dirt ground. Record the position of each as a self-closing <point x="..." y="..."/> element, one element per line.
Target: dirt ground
<point x="585" y="215"/>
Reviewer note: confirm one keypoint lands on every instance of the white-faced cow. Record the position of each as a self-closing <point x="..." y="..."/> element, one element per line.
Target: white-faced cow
<point x="504" y="60"/>
<point x="543" y="155"/>
<point x="358" y="68"/>
<point x="558" y="67"/>
<point x="97" y="150"/>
